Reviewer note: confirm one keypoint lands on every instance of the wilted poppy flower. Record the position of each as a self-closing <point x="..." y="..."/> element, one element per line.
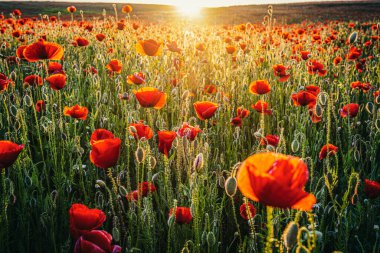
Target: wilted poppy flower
<point x="136" y="78"/>
<point x="165" y="141"/>
<point x="140" y="131"/>
<point x="56" y="81"/>
<point x="71" y="9"/>
<point x="149" y="47"/>
<point x="96" y="241"/>
<point x="182" y="215"/>
<point x="189" y="131"/>
<point x="105" y="150"/>
<point x="354" y="54"/>
<point x="84" y="219"/>
<point x="76" y="112"/>
<point x="280" y="71"/>
<point x="9" y="152"/>
<point x="350" y="110"/>
<point x="33" y="80"/>
<point x="275" y="180"/>
<point x="205" y="109"/>
<point x="244" y="213"/>
<point x="20" y="52"/>
<point x="126" y="9"/>
<point x="314" y="67"/>
<point x="326" y="150"/>
<point x="40" y="106"/>
<point x="81" y="42"/>
<point x="43" y="50"/>
<point x="372" y="189"/>
<point x="100" y="36"/>
<point x="242" y="112"/>
<point x="362" y="86"/>
<point x="91" y="70"/>
<point x="4" y="82"/>
<point x="143" y="190"/>
<point x="270" y="139"/>
<point x="150" y="97"/>
<point x="314" y="116"/>
<point x="259" y="87"/>
<point x="114" y="66"/>
<point x="262" y="107"/>
<point x="209" y="89"/>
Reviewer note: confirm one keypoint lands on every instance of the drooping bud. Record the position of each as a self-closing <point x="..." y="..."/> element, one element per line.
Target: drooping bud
<point x="290" y="235"/>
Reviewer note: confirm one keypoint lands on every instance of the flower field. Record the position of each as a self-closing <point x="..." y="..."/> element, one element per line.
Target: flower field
<point x="122" y="135"/>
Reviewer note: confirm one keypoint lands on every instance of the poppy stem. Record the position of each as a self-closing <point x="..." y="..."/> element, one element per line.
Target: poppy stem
<point x="268" y="246"/>
<point x="3" y="217"/>
<point x="110" y="176"/>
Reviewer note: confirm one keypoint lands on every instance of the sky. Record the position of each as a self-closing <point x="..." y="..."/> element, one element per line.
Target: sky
<point x="202" y="3"/>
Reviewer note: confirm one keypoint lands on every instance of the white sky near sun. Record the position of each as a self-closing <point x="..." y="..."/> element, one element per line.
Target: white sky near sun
<point x="198" y="3"/>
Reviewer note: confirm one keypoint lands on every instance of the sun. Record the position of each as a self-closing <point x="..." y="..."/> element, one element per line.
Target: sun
<point x="189" y="10"/>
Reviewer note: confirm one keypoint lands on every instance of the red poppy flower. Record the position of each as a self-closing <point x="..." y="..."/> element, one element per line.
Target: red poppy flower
<point x="55" y="68"/>
<point x="354" y="54"/>
<point x="230" y="49"/>
<point x="237" y="122"/>
<point x="200" y="47"/>
<point x="100" y="134"/>
<point x="337" y="60"/>
<point x="84" y="219"/>
<point x="126" y="9"/>
<point x="350" y="110"/>
<point x="81" y="42"/>
<point x="143" y="190"/>
<point x="17" y="12"/>
<point x="16" y="33"/>
<point x="20" y="52"/>
<point x="205" y="109"/>
<point x="372" y="189"/>
<point x="105" y="149"/>
<point x="209" y="89"/>
<point x="40" y="106"/>
<point x="43" y="50"/>
<point x="242" y="112"/>
<point x="76" y="112"/>
<point x="262" y="107"/>
<point x="71" y="9"/>
<point x="100" y="37"/>
<point x="189" y="131"/>
<point x="303" y="98"/>
<point x="259" y="87"/>
<point x="314" y="67"/>
<point x="33" y="80"/>
<point x="150" y="97"/>
<point x="56" y="81"/>
<point x="136" y="78"/>
<point x="9" y="152"/>
<point x="270" y="139"/>
<point x="280" y="71"/>
<point x="141" y="131"/>
<point x="4" y="82"/>
<point x="165" y="141"/>
<point x="173" y="47"/>
<point x="315" y="118"/>
<point x="96" y="241"/>
<point x="362" y="86"/>
<point x="149" y="47"/>
<point x="244" y="213"/>
<point x="326" y="150"/>
<point x="305" y="55"/>
<point x="114" y="66"/>
<point x="275" y="180"/>
<point x="182" y="214"/>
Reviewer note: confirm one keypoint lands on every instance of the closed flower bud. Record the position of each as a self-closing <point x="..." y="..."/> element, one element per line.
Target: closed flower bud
<point x="230" y="186"/>
<point x="290" y="235"/>
<point x="198" y="162"/>
<point x="140" y="154"/>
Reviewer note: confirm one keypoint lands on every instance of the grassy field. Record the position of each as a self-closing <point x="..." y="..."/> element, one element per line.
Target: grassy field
<point x="148" y="132"/>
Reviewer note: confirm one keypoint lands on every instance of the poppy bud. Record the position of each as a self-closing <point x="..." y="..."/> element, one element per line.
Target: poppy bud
<point x="230" y="186"/>
<point x="290" y="235"/>
<point x="198" y="162"/>
<point x="140" y="154"/>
